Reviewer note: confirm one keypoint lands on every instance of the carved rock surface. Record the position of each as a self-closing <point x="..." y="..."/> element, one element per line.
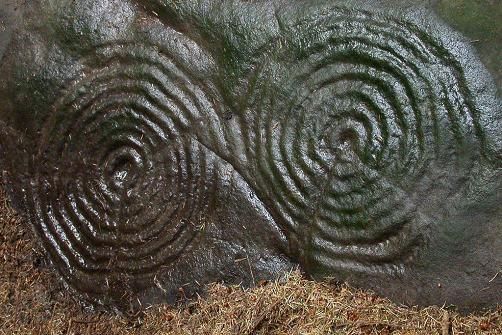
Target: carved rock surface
<point x="155" y="145"/>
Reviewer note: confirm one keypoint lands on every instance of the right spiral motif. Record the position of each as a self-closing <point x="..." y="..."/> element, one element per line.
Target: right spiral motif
<point x="361" y="107"/>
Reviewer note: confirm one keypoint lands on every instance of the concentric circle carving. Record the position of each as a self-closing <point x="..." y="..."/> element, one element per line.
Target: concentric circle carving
<point x="359" y="109"/>
<point x="119" y="188"/>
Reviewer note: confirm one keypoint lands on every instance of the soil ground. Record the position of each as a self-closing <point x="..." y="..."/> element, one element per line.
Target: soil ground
<point x="34" y="301"/>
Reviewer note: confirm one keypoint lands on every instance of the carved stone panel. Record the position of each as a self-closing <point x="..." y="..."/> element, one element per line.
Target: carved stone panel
<point x="155" y="145"/>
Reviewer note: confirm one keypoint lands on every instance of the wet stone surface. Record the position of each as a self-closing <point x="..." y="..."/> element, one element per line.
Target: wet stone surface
<point x="157" y="146"/>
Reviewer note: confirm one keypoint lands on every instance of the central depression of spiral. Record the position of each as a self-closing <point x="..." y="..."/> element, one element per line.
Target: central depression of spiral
<point x="354" y="115"/>
<point x="119" y="188"/>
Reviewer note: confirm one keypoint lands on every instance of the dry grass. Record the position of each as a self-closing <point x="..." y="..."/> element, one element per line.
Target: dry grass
<point x="33" y="301"/>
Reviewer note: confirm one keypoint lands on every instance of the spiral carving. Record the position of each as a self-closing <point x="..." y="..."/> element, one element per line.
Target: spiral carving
<point x="119" y="188"/>
<point x="356" y="109"/>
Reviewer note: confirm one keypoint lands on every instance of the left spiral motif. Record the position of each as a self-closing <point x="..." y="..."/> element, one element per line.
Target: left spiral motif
<point x="119" y="188"/>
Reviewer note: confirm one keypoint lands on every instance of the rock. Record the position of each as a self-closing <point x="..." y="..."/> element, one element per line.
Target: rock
<point x="158" y="145"/>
